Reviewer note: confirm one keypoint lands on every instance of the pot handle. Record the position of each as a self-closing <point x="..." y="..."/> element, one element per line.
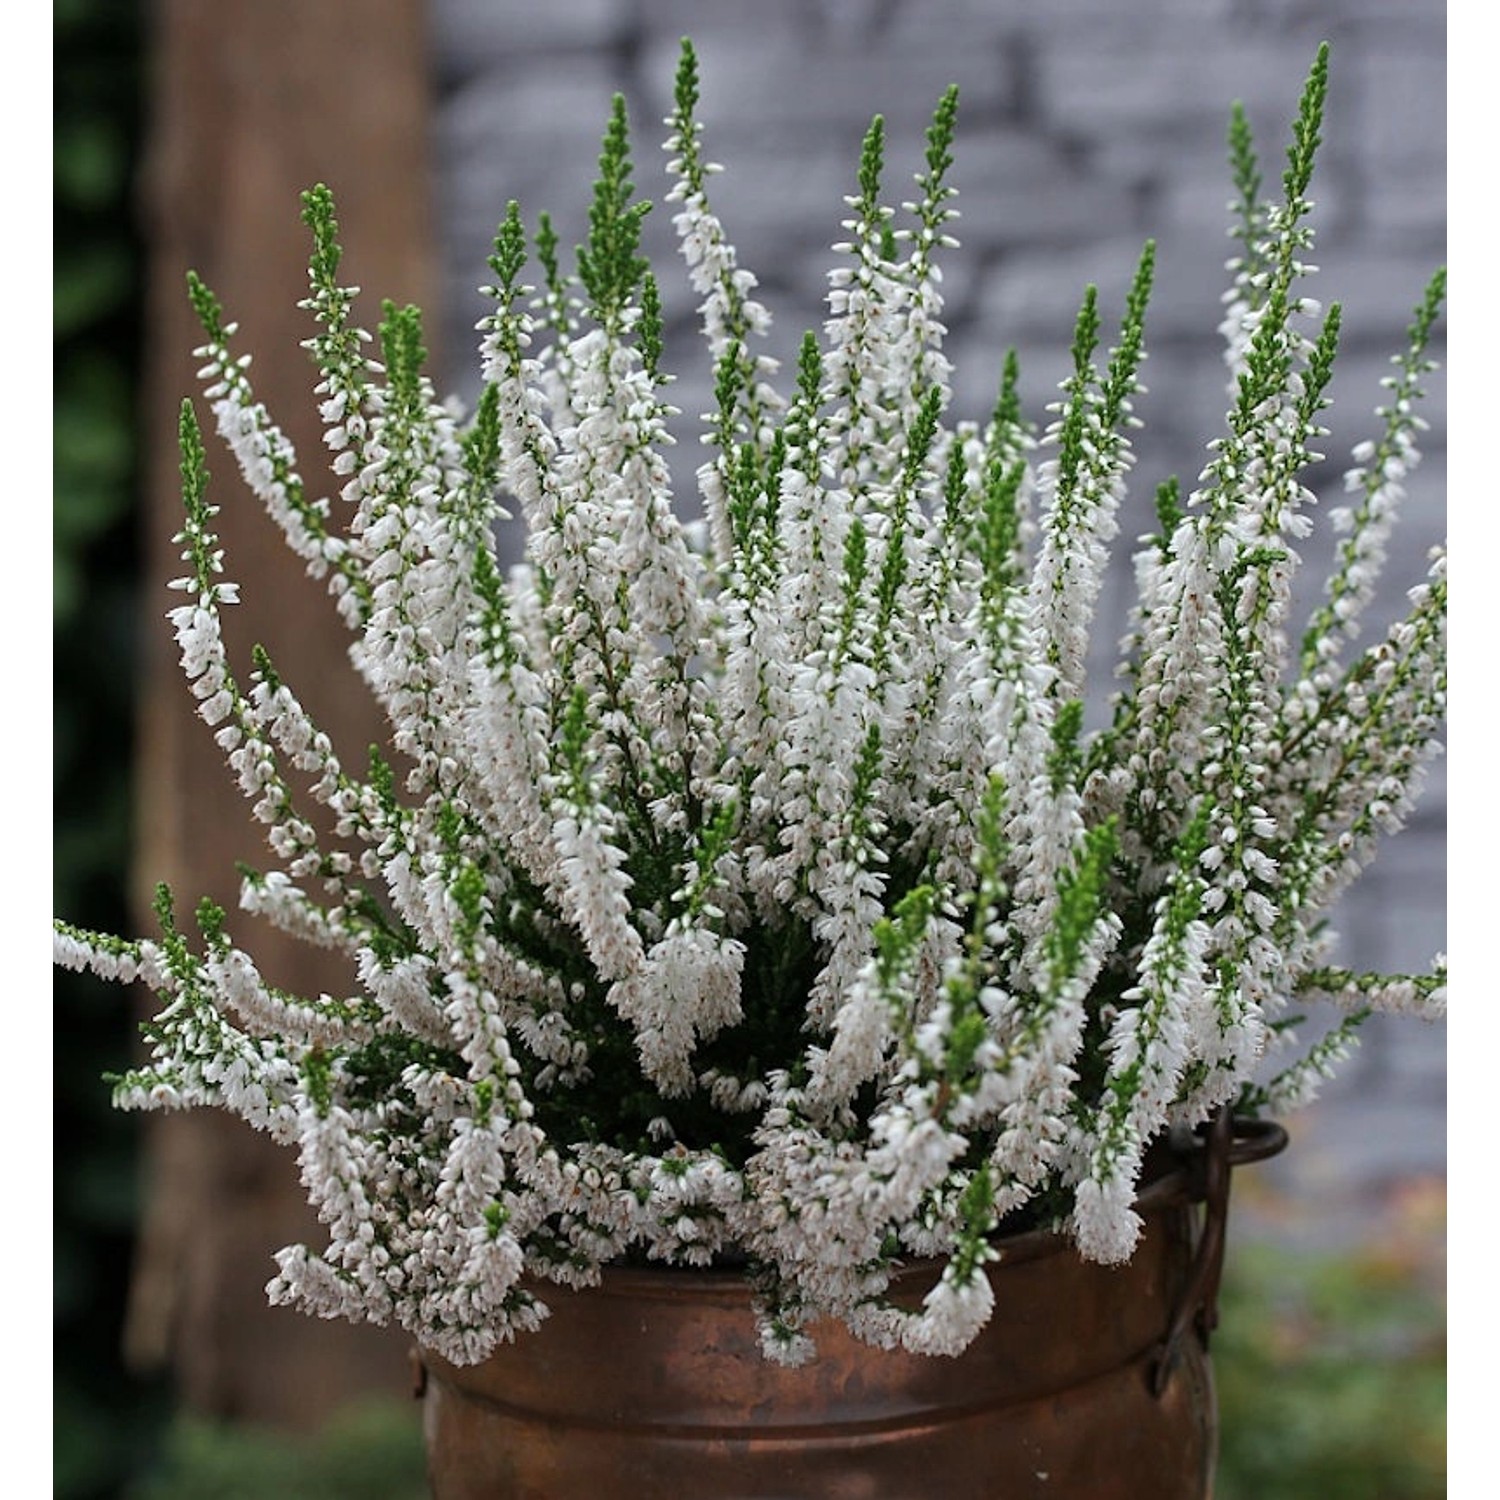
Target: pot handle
<point x="1229" y="1143"/>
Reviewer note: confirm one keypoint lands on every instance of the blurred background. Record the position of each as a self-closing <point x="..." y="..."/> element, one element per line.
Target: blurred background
<point x="182" y="136"/>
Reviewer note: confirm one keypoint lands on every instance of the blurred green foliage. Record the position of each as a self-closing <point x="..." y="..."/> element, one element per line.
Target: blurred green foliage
<point x="1332" y="1367"/>
<point x="371" y="1451"/>
<point x="106" y="1423"/>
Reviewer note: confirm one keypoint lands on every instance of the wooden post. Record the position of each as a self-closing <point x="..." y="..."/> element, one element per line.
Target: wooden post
<point x="254" y="101"/>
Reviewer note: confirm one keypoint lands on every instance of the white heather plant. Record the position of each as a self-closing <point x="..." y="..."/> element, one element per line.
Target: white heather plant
<point x="749" y="892"/>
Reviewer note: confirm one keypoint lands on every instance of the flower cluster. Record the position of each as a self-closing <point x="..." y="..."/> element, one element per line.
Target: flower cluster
<point x="750" y="892"/>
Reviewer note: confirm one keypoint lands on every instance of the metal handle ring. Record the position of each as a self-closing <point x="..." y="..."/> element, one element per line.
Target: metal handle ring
<point x="1228" y="1143"/>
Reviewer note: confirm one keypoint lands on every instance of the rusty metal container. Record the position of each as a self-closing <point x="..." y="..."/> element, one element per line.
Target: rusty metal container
<point x="1089" y="1383"/>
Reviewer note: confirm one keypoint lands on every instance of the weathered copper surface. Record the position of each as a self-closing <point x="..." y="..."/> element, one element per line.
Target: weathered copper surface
<point x="652" y="1387"/>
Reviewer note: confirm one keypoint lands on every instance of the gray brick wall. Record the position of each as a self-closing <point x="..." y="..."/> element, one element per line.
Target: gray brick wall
<point x="1085" y="127"/>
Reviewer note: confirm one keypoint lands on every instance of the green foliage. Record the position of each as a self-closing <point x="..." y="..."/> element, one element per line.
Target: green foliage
<point x="610" y="265"/>
<point x="370" y="1451"/>
<point x="871" y="165"/>
<point x="940" y="140"/>
<point x="401" y="345"/>
<point x="1125" y="359"/>
<point x="649" y="331"/>
<point x="1331" y="1373"/>
<point x="685" y="92"/>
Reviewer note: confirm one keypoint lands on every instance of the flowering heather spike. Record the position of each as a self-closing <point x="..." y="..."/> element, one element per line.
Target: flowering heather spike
<point x="1148" y="1055"/>
<point x="265" y="456"/>
<point x="923" y="434"/>
<point x="1063" y="763"/>
<point x="809" y="370"/>
<point x="401" y="343"/>
<point x="1320" y="368"/>
<point x="1246" y="171"/>
<point x="207" y="306"/>
<point x="1424" y="995"/>
<point x="940" y="139"/>
<point x="338" y="347"/>
<point x="1427" y="311"/>
<point x="318" y="215"/>
<point x="1007" y="413"/>
<point x="161" y="904"/>
<point x="1085" y="337"/>
<point x="1085" y="483"/>
<point x="685" y="87"/>
<point x="747" y="401"/>
<point x="546" y="250"/>
<point x="856" y="564"/>
<point x="772" y="897"/>
<point x="1000" y="530"/>
<point x="509" y="255"/>
<point x="1378" y="478"/>
<point x="609" y="265"/>
<point x="1251" y="230"/>
<point x="1074" y="428"/>
<point x="481" y="443"/>
<point x="1080" y="901"/>
<point x="1120" y="382"/>
<point x="1169" y="512"/>
<point x="1306" y="137"/>
<point x="193" y="466"/>
<point x="1007" y="439"/>
<point x="648" y="330"/>
<point x="871" y="165"/>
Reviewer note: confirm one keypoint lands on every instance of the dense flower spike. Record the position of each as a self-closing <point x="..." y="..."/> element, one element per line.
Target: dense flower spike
<point x="770" y="899"/>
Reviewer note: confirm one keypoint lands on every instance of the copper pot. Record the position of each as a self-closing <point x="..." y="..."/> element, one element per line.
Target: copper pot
<point x="1089" y="1381"/>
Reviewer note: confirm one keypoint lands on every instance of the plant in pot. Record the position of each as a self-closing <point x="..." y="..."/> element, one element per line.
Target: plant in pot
<point x="784" y="1044"/>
